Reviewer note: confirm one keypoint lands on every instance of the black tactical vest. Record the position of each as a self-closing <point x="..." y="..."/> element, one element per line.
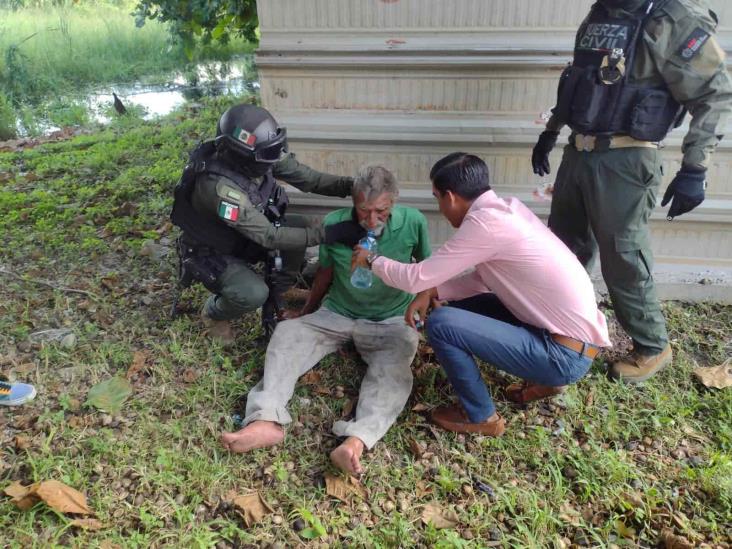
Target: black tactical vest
<point x="268" y="197"/>
<point x="596" y="93"/>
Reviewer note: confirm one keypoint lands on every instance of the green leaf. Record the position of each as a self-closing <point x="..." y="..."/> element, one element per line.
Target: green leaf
<point x="219" y="30"/>
<point x="188" y="50"/>
<point x="308" y="533"/>
<point x="109" y="395"/>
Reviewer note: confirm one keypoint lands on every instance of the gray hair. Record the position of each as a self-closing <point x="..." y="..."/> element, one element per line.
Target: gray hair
<point x="374" y="181"/>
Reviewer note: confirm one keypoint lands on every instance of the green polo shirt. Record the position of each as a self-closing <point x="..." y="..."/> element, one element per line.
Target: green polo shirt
<point x="404" y="238"/>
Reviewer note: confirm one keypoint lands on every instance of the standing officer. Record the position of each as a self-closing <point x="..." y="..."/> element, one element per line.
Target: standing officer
<point x="639" y="66"/>
<point x="232" y="214"/>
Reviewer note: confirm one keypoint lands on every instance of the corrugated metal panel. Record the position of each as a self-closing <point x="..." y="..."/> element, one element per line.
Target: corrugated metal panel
<point x="403" y="82"/>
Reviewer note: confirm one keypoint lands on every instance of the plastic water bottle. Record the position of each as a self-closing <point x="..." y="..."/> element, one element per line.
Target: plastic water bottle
<point x="363" y="278"/>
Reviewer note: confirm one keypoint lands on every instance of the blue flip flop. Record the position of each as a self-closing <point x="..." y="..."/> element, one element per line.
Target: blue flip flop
<point x="15" y="394"/>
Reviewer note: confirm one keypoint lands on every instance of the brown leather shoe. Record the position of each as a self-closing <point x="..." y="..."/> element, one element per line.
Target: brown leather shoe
<point x="522" y="393"/>
<point x="453" y="418"/>
<point x="637" y="367"/>
<point x="219" y="330"/>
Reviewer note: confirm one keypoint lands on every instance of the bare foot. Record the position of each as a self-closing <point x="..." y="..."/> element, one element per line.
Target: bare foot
<point x="346" y="456"/>
<point x="258" y="434"/>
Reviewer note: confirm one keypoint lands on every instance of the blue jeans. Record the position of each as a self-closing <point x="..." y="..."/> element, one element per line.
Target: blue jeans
<point x="482" y="326"/>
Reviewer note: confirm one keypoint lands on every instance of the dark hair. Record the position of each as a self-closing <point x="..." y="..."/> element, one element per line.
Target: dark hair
<point x="464" y="174"/>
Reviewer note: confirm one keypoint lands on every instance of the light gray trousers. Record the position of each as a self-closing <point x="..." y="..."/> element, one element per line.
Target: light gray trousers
<point x="388" y="348"/>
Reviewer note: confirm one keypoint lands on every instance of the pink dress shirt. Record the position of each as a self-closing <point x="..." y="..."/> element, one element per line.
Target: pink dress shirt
<point x="515" y="256"/>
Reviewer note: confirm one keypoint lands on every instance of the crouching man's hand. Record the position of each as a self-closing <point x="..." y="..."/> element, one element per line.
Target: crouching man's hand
<point x="417" y="310"/>
<point x="360" y="258"/>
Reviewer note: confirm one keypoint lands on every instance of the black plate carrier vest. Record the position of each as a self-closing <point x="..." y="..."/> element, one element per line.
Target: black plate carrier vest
<point x="268" y="197"/>
<point x="596" y="94"/>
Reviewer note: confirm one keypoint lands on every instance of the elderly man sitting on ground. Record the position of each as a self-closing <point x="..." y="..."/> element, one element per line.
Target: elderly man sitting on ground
<point x="371" y="318"/>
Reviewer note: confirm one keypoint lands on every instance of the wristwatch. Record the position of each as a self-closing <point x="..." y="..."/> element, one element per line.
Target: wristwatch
<point x="371" y="258"/>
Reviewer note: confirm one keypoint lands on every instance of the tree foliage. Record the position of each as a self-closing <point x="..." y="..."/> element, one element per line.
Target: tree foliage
<point x="208" y="21"/>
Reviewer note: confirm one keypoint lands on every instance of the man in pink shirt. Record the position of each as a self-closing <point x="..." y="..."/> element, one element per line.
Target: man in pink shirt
<point x="518" y="298"/>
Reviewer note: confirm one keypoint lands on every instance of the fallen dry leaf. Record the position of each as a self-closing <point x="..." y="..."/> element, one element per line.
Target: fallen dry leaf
<point x="344" y="488"/>
<point x="635" y="499"/>
<point x="681" y="520"/>
<point x="190" y="375"/>
<point x="590" y="399"/>
<point x="296" y="294"/>
<point x="624" y="531"/>
<point x="422" y="489"/>
<point x="718" y="377"/>
<point x="426" y="350"/>
<point x="139" y="359"/>
<point x="349" y="406"/>
<point x="16" y="489"/>
<point x="53" y="493"/>
<point x="252" y="508"/>
<point x="110" y="282"/>
<point x="322" y="390"/>
<point x="669" y="540"/>
<point x="24" y="369"/>
<point x="22" y="442"/>
<point x="87" y="524"/>
<point x="438" y="517"/>
<point x="311" y="378"/>
<point x="419" y="407"/>
<point x="164" y="228"/>
<point x="416" y="447"/>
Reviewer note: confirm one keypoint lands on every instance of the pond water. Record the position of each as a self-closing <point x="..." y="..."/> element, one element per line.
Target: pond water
<point x="150" y="100"/>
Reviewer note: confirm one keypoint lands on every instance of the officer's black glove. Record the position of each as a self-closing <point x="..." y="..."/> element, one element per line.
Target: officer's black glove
<point x="345" y="232"/>
<point x="540" y="156"/>
<point x="687" y="191"/>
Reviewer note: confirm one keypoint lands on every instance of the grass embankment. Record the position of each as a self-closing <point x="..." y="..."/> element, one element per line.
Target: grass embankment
<point x="605" y="465"/>
<point x="56" y="52"/>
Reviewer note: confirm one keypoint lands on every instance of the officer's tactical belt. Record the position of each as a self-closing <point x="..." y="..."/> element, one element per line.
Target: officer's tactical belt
<point x="601" y="143"/>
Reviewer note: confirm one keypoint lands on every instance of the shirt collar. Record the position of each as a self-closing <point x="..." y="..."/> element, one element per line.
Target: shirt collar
<point x="485" y="200"/>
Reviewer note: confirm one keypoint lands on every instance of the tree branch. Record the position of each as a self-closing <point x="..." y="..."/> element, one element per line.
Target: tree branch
<point x="49" y="284"/>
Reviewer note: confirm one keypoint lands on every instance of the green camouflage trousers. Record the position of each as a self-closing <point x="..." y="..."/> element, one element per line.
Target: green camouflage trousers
<point x="243" y="290"/>
<point x="602" y="202"/>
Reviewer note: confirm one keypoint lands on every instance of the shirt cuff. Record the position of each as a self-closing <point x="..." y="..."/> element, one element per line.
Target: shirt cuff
<point x="378" y="265"/>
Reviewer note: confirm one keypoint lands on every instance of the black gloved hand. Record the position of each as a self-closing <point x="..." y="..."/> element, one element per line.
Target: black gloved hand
<point x="346" y="232"/>
<point x="687" y="191"/>
<point x="540" y="155"/>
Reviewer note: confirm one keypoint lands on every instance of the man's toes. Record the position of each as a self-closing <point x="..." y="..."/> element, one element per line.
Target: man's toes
<point x="356" y="466"/>
<point x="346" y="460"/>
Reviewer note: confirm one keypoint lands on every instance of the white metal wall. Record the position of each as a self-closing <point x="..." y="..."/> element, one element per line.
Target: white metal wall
<point x="404" y="82"/>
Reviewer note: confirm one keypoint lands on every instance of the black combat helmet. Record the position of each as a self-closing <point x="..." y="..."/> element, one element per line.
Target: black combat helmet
<point x="250" y="135"/>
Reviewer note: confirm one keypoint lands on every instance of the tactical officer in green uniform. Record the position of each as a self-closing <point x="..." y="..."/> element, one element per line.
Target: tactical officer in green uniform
<point x="638" y="67"/>
<point x="232" y="215"/>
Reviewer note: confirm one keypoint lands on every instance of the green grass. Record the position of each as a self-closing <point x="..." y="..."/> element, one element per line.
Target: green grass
<point x="52" y="51"/>
<point x="606" y="464"/>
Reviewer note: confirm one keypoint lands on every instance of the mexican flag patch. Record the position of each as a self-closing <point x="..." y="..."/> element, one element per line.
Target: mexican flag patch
<point x="228" y="211"/>
<point x="244" y="136"/>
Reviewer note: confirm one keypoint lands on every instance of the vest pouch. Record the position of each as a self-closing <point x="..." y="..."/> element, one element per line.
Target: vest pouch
<point x="565" y="93"/>
<point x="653" y="115"/>
<point x="592" y="103"/>
<point x="206" y="269"/>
